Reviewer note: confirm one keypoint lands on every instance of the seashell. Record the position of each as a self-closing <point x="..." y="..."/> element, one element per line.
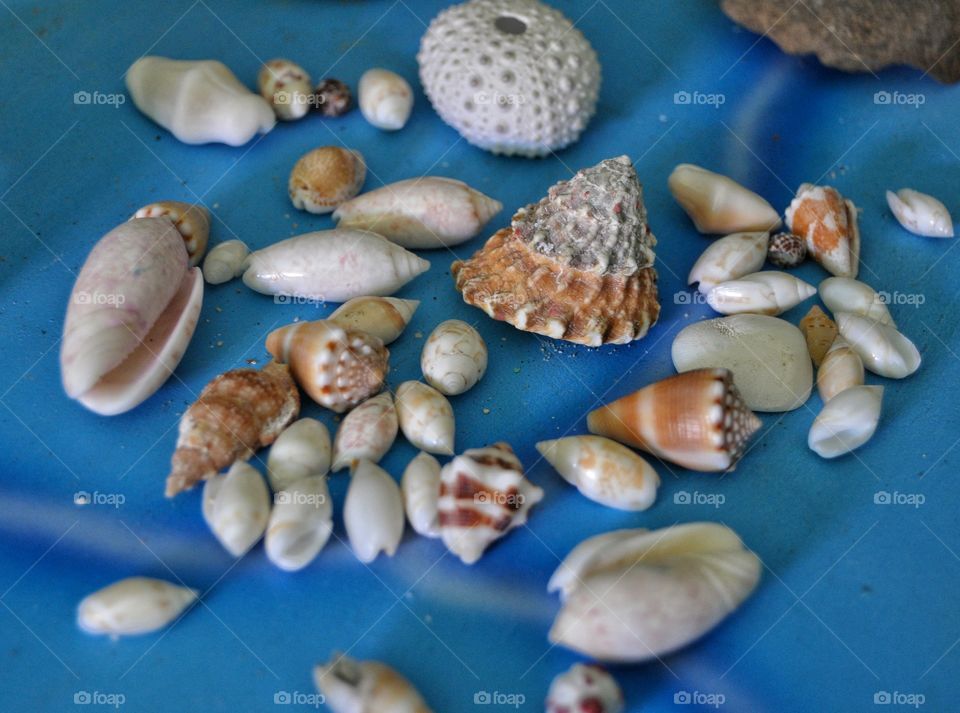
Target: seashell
<point x="828" y="223"/>
<point x="132" y="312"/>
<point x="381" y="317"/>
<point x="768" y="292"/>
<point x="339" y="368"/>
<point x="651" y="593"/>
<point x="428" y="212"/>
<point x="326" y="177"/>
<point x="483" y="495"/>
<point x="841" y="368"/>
<point x="844" y="294"/>
<point x="847" y="421"/>
<point x="566" y="578"/>
<point x="350" y="686"/>
<point x="235" y="414"/>
<point x="920" y="214"/>
<point x="454" y="357"/>
<point x="136" y="605"/>
<point x="884" y="350"/>
<point x="287" y="88"/>
<point x="819" y="331"/>
<point x="373" y="512"/>
<point x="199" y="102"/>
<point x="300" y="523"/>
<point x="577" y="266"/>
<point x="332" y="98"/>
<point x="426" y="417"/>
<point x="584" y="687"/>
<point x="225" y="262"/>
<point x="603" y="471"/>
<point x="366" y="433"/>
<point x="767" y="355"/>
<point x="332" y="265"/>
<point x="236" y="507"/>
<point x="385" y="99"/>
<point x="302" y="449"/>
<point x="420" y="486"/>
<point x="191" y="221"/>
<point x="718" y="204"/>
<point x="696" y="419"/>
<point x="786" y="250"/>
<point x="727" y="259"/>
<point x="514" y="77"/>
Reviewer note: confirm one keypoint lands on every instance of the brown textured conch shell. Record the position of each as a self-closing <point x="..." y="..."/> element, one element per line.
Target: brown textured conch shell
<point x="696" y="419"/>
<point x="828" y="222"/>
<point x="339" y="368"/>
<point x="235" y="414"/>
<point x="819" y="331"/>
<point x="577" y="266"/>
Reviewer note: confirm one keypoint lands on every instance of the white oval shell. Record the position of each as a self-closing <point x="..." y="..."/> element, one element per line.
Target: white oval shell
<point x="236" y="506"/>
<point x="920" y="214"/>
<point x="729" y="258"/>
<point x="769" y="292"/>
<point x="225" y="261"/>
<point x="302" y="449"/>
<point x="884" y="350"/>
<point x="584" y="687"/>
<point x="366" y="433"/>
<point x="847" y="421"/>
<point x="351" y="686"/>
<point x="454" y="357"/>
<point x="718" y="204"/>
<point x="135" y="605"/>
<point x="385" y="99"/>
<point x="426" y="417"/>
<point x="300" y="524"/>
<point x="603" y="470"/>
<point x="287" y="88"/>
<point x="383" y="317"/>
<point x="420" y="486"/>
<point x="840" y="369"/>
<point x="567" y="576"/>
<point x="844" y="294"/>
<point x="373" y="512"/>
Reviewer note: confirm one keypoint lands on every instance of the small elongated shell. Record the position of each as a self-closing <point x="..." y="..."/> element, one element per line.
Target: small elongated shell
<point x="426" y="417"/>
<point x="191" y="221"/>
<point x="828" y="223"/>
<point x="428" y="212"/>
<point x="383" y="317"/>
<point x="333" y="266"/>
<point x="920" y="214"/>
<point x="373" y="512"/>
<point x="300" y="523"/>
<point x="844" y="294"/>
<point x="786" y="250"/>
<point x="420" y="486"/>
<point x="454" y="357"/>
<point x="696" y="419"/>
<point x="326" y="177"/>
<point x="225" y="261"/>
<point x="603" y="471"/>
<point x="302" y="449"/>
<point x="366" y="433"/>
<point x="819" y="331"/>
<point x="136" y="605"/>
<point x="644" y="595"/>
<point x="841" y="368"/>
<point x="847" y="421"/>
<point x="727" y="259"/>
<point x="385" y="99"/>
<point x="287" y="88"/>
<point x="769" y="292"/>
<point x="585" y="687"/>
<point x="884" y="350"/>
<point x="351" y="686"/>
<point x="718" y="204"/>
<point x="236" y="506"/>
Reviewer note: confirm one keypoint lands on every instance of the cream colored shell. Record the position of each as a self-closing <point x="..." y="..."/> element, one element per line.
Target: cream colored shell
<point x="454" y="357"/>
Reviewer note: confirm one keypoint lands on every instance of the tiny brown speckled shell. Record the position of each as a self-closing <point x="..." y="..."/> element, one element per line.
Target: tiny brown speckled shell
<point x="786" y="250"/>
<point x="326" y="177"/>
<point x="819" y="331"/>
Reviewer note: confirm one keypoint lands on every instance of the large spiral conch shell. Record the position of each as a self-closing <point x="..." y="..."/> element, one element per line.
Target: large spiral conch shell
<point x="828" y="222"/>
<point x="236" y="413"/>
<point x="632" y="595"/>
<point x="577" y="266"/>
<point x="338" y="368"/>
<point x="696" y="419"/>
<point x="131" y="315"/>
<point x="718" y="204"/>
<point x="383" y="317"/>
<point x="483" y="495"/>
<point x="351" y="686"/>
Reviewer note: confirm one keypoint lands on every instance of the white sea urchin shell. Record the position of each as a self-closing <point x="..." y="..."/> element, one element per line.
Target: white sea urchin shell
<point x="512" y="76"/>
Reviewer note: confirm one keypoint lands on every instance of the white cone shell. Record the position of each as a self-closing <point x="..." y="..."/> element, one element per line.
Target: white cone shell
<point x="884" y="350"/>
<point x="920" y="214"/>
<point x="225" y="262"/>
<point x="373" y="512"/>
<point x="366" y="433"/>
<point x="770" y="292"/>
<point x="844" y="294"/>
<point x="840" y="369"/>
<point x="420" y="486"/>
<point x="847" y="421"/>
<point x="302" y="449"/>
<point x="718" y="204"/>
<point x="385" y="99"/>
<point x="454" y="357"/>
<point x="729" y="258"/>
<point x="236" y="507"/>
<point x="300" y="523"/>
<point x="381" y="317"/>
<point x="136" y="605"/>
<point x="426" y="417"/>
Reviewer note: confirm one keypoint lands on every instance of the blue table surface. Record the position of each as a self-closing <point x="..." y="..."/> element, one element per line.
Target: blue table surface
<point x="857" y="597"/>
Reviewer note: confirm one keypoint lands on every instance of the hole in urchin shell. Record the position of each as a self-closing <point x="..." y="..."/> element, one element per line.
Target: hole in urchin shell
<point x="509" y="25"/>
